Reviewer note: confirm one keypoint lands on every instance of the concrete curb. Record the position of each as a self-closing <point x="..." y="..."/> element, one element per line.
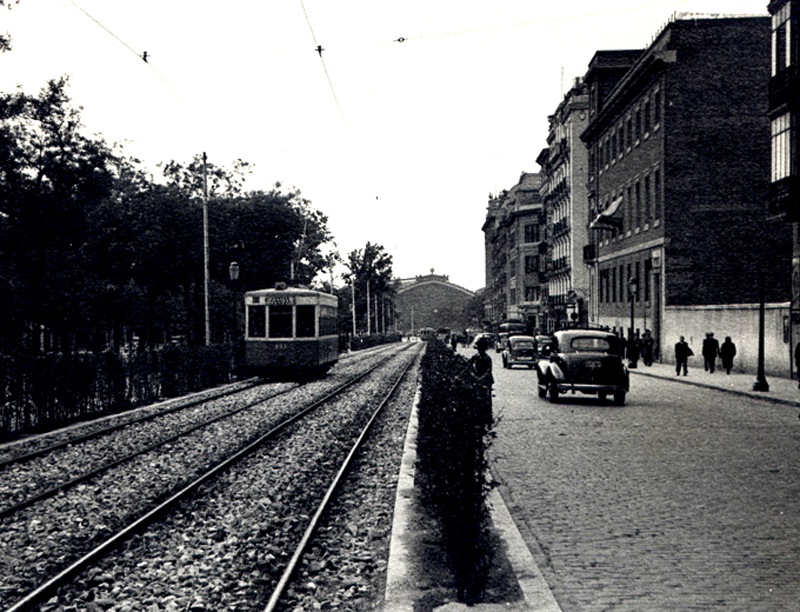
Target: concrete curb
<point x="752" y="394"/>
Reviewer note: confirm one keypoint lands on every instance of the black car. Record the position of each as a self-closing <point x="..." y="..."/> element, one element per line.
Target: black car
<point x="584" y="361"/>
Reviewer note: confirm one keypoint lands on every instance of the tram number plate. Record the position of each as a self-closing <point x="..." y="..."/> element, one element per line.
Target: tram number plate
<point x="279" y="301"/>
<point x="281" y="346"/>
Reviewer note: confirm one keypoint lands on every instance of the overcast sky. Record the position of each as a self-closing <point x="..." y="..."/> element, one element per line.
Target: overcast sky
<point x="432" y="105"/>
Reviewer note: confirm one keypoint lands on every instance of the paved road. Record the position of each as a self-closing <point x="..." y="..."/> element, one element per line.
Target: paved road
<point x="683" y="499"/>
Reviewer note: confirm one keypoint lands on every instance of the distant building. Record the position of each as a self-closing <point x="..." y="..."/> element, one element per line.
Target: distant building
<point x="564" y="173"/>
<point x="677" y="188"/>
<point x="515" y="253"/>
<point x="431" y="300"/>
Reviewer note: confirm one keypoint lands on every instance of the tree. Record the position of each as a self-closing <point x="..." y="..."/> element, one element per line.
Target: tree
<point x="371" y="272"/>
<point x="5" y="39"/>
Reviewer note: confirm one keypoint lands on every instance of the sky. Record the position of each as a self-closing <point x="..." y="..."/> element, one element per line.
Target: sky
<point x="413" y="115"/>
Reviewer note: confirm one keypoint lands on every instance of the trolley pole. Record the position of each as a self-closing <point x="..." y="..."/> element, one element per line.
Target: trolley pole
<point x="205" y="253"/>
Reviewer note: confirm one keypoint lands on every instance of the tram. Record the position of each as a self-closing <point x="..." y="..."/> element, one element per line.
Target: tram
<point x="291" y="332"/>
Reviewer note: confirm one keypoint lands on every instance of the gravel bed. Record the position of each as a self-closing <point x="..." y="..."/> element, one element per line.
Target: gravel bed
<point x="226" y="549"/>
<point x="40" y="540"/>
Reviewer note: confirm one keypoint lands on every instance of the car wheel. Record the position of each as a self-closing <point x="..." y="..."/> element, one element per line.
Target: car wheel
<point x="553" y="392"/>
<point x="619" y="398"/>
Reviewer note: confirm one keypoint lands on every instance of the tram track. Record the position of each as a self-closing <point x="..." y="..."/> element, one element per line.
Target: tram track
<point x="103" y="521"/>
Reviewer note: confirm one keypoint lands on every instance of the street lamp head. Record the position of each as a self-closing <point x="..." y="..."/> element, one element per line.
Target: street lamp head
<point x="233" y="271"/>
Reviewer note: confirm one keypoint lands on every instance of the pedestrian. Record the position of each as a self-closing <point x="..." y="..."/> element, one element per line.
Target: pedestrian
<point x="682" y="353"/>
<point x="797" y="362"/>
<point x="633" y="352"/>
<point x="710" y="352"/>
<point x="727" y="352"/>
<point x="647" y="348"/>
<point x="454" y="342"/>
<point x="481" y="366"/>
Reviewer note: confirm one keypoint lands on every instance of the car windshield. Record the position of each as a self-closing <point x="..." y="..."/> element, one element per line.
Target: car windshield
<point x="590" y="344"/>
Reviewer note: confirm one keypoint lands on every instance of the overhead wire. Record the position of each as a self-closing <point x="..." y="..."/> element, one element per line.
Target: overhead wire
<point x="319" y="50"/>
<point x="144" y="57"/>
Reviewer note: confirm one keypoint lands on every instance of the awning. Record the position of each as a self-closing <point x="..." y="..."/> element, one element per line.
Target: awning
<point x="606" y="220"/>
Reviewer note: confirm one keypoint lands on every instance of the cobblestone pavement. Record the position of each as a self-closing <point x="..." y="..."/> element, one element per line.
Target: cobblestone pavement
<point x="686" y="498"/>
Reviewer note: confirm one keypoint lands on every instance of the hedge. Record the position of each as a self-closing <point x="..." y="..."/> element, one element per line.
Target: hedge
<point x="455" y="431"/>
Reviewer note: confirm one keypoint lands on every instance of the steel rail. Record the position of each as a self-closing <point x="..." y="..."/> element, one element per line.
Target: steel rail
<point x="45" y="590"/>
<point x="315" y="520"/>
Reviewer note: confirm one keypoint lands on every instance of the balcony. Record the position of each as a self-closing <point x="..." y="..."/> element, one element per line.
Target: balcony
<point x="784" y="199"/>
<point x="784" y="89"/>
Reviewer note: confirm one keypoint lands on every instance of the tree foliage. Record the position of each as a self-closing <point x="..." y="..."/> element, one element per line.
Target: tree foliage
<point x="93" y="251"/>
<point x="370" y="273"/>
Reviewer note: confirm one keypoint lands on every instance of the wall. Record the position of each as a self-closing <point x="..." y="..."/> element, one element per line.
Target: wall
<point x="740" y="322"/>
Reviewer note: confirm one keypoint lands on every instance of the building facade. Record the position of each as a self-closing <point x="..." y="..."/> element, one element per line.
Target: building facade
<point x="783" y="112"/>
<point x="514" y="236"/>
<point x="564" y="165"/>
<point x="431" y="300"/>
<point x="677" y="186"/>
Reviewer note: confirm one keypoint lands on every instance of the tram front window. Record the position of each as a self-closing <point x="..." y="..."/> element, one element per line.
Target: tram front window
<point x="256" y="321"/>
<point x="305" y="321"/>
<point x="280" y="321"/>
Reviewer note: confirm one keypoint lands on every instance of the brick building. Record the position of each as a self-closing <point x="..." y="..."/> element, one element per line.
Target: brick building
<point x="515" y="254"/>
<point x="431" y="300"/>
<point x="784" y="106"/>
<point x="677" y="187"/>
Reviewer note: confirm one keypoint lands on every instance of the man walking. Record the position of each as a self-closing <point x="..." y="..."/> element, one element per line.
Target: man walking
<point x="682" y="353"/>
<point x="710" y="352"/>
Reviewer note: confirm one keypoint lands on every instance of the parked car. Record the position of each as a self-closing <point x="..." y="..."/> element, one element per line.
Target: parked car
<point x="584" y="361"/>
<point x="500" y="345"/>
<point x="543" y="346"/>
<point x="490" y="338"/>
<point x="519" y="350"/>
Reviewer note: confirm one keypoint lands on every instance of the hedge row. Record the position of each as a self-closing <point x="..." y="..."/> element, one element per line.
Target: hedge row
<point x="455" y="430"/>
<point x="43" y="392"/>
<point x="363" y="342"/>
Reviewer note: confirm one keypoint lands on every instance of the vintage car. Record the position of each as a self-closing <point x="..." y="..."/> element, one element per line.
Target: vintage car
<point x="502" y="341"/>
<point x="543" y="346"/>
<point x="519" y="350"/>
<point x="491" y="339"/>
<point x="584" y="361"/>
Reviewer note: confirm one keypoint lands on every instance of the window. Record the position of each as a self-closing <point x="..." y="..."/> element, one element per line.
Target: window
<point x="782" y="153"/>
<point x="256" y="321"/>
<point x="630" y="215"/>
<point x="614" y="146"/>
<point x="532" y="233"/>
<point x="621" y="132"/>
<point x="648" y="270"/>
<point x="613" y="285"/>
<point x="638" y="207"/>
<point x="656" y="108"/>
<point x="630" y="132"/>
<point x="783" y="53"/>
<point x="306" y="316"/>
<point x="531" y="294"/>
<point x="648" y="213"/>
<point x="591" y="345"/>
<point x="621" y="284"/>
<point x="280" y="321"/>
<point x="531" y="264"/>
<point x="638" y="125"/>
<point x="657" y="201"/>
<point x="647" y="111"/>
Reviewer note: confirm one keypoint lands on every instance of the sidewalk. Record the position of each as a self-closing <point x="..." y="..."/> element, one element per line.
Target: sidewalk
<point x="781" y="390"/>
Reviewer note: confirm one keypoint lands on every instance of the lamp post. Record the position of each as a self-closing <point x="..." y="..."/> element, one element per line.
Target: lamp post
<point x="633" y="289"/>
<point x="761" y="383"/>
<point x="233" y="275"/>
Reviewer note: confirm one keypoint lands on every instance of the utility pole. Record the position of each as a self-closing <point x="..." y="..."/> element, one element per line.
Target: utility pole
<point x="205" y="253"/>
